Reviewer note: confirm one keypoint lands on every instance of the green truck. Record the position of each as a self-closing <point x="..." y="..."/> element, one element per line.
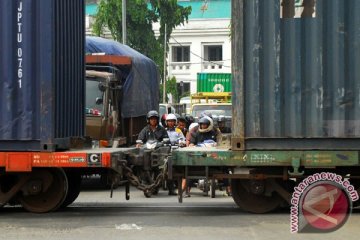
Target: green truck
<point x="214" y="82"/>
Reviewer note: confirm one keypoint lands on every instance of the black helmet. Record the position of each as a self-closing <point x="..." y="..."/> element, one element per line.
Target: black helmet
<point x="181" y="119"/>
<point x="151" y="114"/>
<point x="189" y="119"/>
<point x="204" y="120"/>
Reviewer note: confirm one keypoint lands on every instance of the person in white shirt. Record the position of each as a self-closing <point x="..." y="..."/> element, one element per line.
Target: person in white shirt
<point x="175" y="134"/>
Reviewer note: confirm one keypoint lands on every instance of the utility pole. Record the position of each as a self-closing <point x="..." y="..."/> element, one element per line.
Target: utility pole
<point x="164" y="80"/>
<point x="124" y="22"/>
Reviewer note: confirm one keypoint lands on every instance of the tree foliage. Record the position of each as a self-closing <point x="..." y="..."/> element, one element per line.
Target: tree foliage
<point x="140" y="16"/>
<point x="171" y="87"/>
<point x="171" y="14"/>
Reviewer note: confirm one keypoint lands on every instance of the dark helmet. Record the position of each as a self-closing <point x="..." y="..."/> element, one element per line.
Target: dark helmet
<point x="181" y="119"/>
<point x="151" y="114"/>
<point x="204" y="120"/>
<point x="177" y="115"/>
<point x="189" y="119"/>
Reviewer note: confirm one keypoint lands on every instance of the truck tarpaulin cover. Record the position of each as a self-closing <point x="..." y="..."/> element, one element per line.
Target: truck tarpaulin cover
<point x="141" y="88"/>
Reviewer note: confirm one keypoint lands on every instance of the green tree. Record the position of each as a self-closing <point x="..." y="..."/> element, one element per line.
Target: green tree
<point x="171" y="14"/>
<point x="140" y="16"/>
<point x="171" y="87"/>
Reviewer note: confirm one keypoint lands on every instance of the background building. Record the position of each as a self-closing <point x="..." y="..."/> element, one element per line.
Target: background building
<point x="201" y="45"/>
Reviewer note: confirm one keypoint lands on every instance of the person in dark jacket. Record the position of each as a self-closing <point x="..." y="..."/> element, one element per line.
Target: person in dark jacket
<point x="204" y="132"/>
<point x="153" y="131"/>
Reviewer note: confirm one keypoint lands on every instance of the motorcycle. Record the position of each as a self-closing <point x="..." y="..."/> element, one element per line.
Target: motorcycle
<point x="147" y="164"/>
<point x="207" y="143"/>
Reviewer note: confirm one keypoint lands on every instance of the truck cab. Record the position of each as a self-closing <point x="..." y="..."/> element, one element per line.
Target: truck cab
<point x="216" y="103"/>
<point x="105" y="77"/>
<point x="102" y="91"/>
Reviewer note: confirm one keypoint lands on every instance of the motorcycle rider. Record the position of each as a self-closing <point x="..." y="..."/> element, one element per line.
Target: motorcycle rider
<point x="176" y="137"/>
<point x="201" y="132"/>
<point x="194" y="128"/>
<point x="153" y="131"/>
<point x="205" y="132"/>
<point x="174" y="133"/>
<point x="182" y="125"/>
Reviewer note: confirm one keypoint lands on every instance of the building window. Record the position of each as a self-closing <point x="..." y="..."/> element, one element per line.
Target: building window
<point x="183" y="88"/>
<point x="298" y="8"/>
<point x="181" y="54"/>
<point x="213" y="53"/>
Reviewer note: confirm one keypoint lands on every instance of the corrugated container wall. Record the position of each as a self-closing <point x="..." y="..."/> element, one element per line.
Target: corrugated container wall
<point x="214" y="82"/>
<point x="41" y="74"/>
<point x="296" y="73"/>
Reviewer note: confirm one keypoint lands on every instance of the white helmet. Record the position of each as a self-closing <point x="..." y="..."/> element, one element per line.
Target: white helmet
<point x="171" y="116"/>
<point x="193" y="125"/>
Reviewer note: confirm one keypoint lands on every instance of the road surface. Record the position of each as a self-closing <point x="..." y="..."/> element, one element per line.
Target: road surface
<point x="95" y="216"/>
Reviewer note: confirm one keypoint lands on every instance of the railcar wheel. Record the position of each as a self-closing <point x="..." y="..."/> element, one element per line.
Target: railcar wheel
<point x="74" y="186"/>
<point x="250" y="197"/>
<point x="45" y="190"/>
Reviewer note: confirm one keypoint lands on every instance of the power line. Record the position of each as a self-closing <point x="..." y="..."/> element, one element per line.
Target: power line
<point x="200" y="56"/>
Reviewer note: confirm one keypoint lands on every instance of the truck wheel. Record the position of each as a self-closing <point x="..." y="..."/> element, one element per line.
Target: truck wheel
<point x="45" y="190"/>
<point x="246" y="197"/>
<point x="74" y="180"/>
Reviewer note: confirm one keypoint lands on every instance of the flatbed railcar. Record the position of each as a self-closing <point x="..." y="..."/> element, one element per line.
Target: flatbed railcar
<point x="296" y="112"/>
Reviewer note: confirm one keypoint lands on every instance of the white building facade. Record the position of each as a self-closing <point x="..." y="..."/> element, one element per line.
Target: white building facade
<point x="202" y="45"/>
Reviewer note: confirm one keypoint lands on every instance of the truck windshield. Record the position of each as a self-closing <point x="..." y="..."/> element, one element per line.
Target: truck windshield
<point x="162" y="110"/>
<point x="93" y="93"/>
<point x="215" y="110"/>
